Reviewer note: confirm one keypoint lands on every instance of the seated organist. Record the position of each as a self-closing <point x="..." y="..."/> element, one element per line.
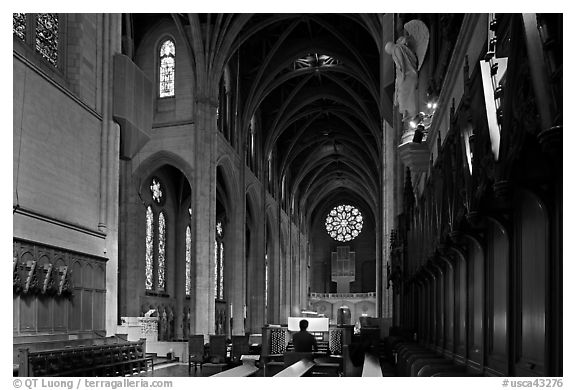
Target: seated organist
<point x="303" y="340"/>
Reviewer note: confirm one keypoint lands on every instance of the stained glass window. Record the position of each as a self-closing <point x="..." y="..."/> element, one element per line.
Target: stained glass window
<point x="216" y="269"/>
<point x="161" y="252"/>
<point x="188" y="259"/>
<point x="344" y="223"/>
<point x="219" y="262"/>
<point x="149" y="248"/>
<point x="156" y="190"/>
<point x="47" y="37"/>
<point x="167" y="65"/>
<point x="266" y="280"/>
<point x="19" y="25"/>
<point x="221" y="273"/>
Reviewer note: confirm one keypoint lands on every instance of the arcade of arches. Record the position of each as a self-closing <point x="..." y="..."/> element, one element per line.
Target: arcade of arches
<point x="222" y="172"/>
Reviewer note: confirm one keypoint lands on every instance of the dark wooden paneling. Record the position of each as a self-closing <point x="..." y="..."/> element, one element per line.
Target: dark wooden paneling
<point x="75" y="311"/>
<point x="15" y="313"/>
<point x="28" y="314"/>
<point x="439" y="298"/>
<point x="532" y="233"/>
<point x="498" y="255"/>
<point x="449" y="308"/>
<point x="60" y="314"/>
<point x="476" y="303"/>
<point x="45" y="313"/>
<point x="87" y="308"/>
<point x="99" y="309"/>
<point x="460" y="306"/>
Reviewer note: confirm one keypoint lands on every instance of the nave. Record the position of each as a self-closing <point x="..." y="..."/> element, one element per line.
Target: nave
<point x="185" y="182"/>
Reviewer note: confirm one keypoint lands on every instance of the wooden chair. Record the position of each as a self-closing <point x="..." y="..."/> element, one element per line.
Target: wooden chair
<point x="240" y="347"/>
<point x="217" y="349"/>
<point x="195" y="351"/>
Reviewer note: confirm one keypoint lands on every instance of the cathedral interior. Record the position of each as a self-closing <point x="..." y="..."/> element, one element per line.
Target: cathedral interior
<point x="186" y="187"/>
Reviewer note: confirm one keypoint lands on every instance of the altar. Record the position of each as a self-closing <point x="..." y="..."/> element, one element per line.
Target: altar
<point x="139" y="327"/>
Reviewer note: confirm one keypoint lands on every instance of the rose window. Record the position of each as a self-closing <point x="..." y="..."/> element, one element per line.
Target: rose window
<point x="344" y="223"/>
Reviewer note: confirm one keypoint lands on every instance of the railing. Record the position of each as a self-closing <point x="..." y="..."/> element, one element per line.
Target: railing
<point x="343" y="295"/>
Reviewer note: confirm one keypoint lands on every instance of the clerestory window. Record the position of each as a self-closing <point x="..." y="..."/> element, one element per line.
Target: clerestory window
<point x="40" y="31"/>
<point x="167" y="68"/>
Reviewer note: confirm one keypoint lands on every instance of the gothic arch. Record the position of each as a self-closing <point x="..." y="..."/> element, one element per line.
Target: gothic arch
<point x="158" y="159"/>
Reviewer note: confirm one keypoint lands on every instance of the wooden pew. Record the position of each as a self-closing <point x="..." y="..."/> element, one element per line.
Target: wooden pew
<point x="97" y="360"/>
<point x="432" y="369"/>
<point x="47" y="343"/>
<point x="300" y="368"/>
<point x="272" y="363"/>
<point x="243" y="370"/>
<point x="371" y="366"/>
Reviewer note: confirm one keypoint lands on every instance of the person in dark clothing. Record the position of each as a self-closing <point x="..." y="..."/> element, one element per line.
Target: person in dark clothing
<point x="304" y="341"/>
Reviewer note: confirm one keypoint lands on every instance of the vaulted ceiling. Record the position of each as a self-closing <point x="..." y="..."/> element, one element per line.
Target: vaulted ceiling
<point x="313" y="80"/>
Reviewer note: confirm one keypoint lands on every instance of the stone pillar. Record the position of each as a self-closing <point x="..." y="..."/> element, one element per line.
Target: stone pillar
<point x="256" y="275"/>
<point x="235" y="260"/>
<point x="384" y="295"/>
<point x="284" y="290"/>
<point x="111" y="169"/>
<point x="204" y="217"/>
<point x="180" y="275"/>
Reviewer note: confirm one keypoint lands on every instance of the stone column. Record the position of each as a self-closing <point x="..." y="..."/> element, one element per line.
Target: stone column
<point x="384" y="296"/>
<point x="180" y="273"/>
<point x="204" y="217"/>
<point x="235" y="260"/>
<point x="256" y="276"/>
<point x="110" y="167"/>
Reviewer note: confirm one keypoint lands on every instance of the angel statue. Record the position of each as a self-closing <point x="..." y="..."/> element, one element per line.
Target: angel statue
<point x="408" y="54"/>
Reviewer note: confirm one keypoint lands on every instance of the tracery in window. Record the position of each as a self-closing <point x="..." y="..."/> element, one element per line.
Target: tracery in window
<point x="167" y="66"/>
<point x="19" y="25"/>
<point x="47" y="37"/>
<point x="40" y="31"/>
<point x="149" y="248"/>
<point x="156" y="190"/>
<point x="161" y="252"/>
<point x="344" y="223"/>
<point x="188" y="259"/>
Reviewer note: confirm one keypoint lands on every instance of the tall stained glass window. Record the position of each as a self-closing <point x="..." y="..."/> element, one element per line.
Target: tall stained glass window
<point x="156" y="230"/>
<point x="167" y="66"/>
<point x="219" y="262"/>
<point x="188" y="259"/>
<point x="266" y="271"/>
<point x="221" y="273"/>
<point x="161" y="252"/>
<point x="216" y="255"/>
<point x="344" y="223"/>
<point x="149" y="248"/>
<point x="47" y="37"/>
